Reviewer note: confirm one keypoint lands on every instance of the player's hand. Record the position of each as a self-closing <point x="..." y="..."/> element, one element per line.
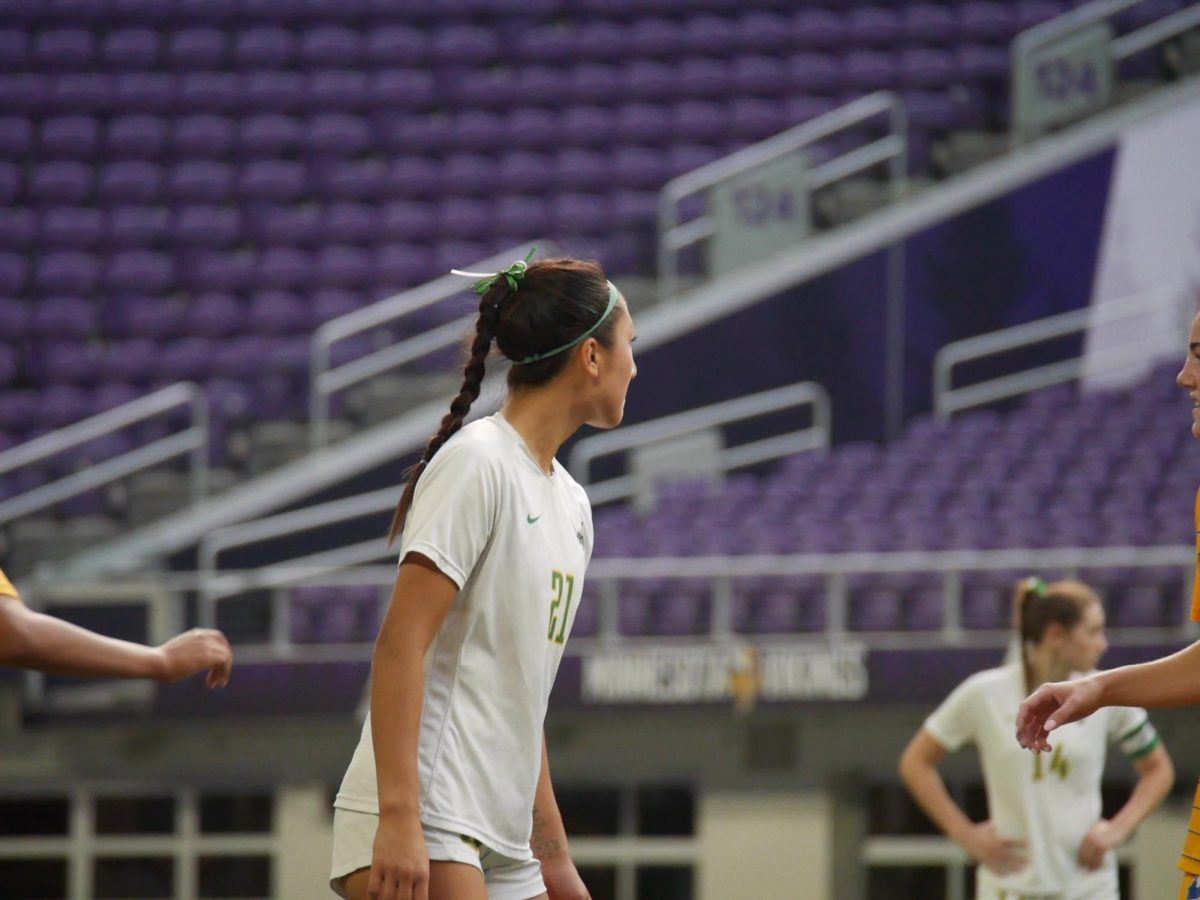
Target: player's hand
<point x="1053" y="705"/>
<point x="194" y="651"/>
<point x="563" y="881"/>
<point x="399" y="860"/>
<point x="1102" y="837"/>
<point x="1004" y="856"/>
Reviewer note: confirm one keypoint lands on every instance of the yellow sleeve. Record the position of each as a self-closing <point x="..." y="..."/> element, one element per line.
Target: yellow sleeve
<point x="6" y="588"/>
<point x="1196" y="583"/>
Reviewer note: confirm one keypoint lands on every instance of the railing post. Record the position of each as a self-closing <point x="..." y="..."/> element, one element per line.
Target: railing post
<point x="836" y="603"/>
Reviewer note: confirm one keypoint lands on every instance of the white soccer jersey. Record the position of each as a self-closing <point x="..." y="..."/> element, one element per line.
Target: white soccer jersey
<point x="1050" y="801"/>
<point x="516" y="541"/>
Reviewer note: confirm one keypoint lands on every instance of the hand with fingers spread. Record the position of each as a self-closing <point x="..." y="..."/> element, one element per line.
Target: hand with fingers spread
<point x="563" y="881"/>
<point x="1102" y="837"/>
<point x="195" y="651"/>
<point x="1053" y="705"/>
<point x="1004" y="856"/>
<point x="399" y="861"/>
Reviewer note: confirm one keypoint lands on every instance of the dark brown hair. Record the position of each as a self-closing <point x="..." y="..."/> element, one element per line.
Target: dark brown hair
<point x="1038" y="605"/>
<point x="555" y="302"/>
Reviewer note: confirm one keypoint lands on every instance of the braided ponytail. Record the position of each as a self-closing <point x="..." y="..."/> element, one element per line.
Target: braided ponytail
<point x="481" y="345"/>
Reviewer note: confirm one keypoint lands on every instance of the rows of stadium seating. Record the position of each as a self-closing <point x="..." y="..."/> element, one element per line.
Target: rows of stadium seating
<point x="1106" y="469"/>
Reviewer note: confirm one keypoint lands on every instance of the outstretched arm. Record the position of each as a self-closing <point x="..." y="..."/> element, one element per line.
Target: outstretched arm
<point x="32" y="640"/>
<point x="548" y="841"/>
<point x="1171" y="681"/>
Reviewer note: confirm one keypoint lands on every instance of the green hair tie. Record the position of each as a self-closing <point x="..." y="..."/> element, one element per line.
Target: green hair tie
<point x="514" y="275"/>
<point x="1037" y="586"/>
<point x="538" y="357"/>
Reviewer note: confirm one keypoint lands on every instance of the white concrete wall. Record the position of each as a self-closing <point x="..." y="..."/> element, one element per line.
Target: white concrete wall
<point x="304" y="835"/>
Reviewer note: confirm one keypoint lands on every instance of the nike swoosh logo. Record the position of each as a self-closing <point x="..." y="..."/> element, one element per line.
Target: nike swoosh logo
<point x="531" y="519"/>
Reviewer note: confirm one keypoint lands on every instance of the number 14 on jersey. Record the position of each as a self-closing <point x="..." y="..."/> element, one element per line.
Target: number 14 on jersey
<point x="1058" y="764"/>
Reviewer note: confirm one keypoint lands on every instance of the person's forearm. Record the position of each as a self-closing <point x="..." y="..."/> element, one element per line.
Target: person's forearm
<point x="397" y="687"/>
<point x="1171" y="681"/>
<point x="927" y="788"/>
<point x="33" y="640"/>
<point x="548" y="839"/>
<point x="1147" y="794"/>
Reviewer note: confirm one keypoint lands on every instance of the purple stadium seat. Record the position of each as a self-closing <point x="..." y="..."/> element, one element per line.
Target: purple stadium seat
<point x="9" y="365"/>
<point x="273" y="92"/>
<point x="330" y="47"/>
<point x="277" y="313"/>
<point x="930" y="110"/>
<point x="477" y="132"/>
<point x="399" y="89"/>
<point x="340" y="267"/>
<point x="273" y="181"/>
<point x="527" y="173"/>
<point x="210" y="92"/>
<point x="706" y="35"/>
<point x="337" y="135"/>
<point x="640" y="168"/>
<point x="19" y="410"/>
<point x="134" y="136"/>
<point x="816" y="73"/>
<point x="652" y="82"/>
<point x="866" y="70"/>
<point x="144" y="92"/>
<point x="873" y="26"/>
<point x="987" y="22"/>
<point x="982" y="63"/>
<point x="59" y="182"/>
<point x="463" y="218"/>
<point x="464" y="45"/>
<point x="24" y="93"/>
<point x="819" y="29"/>
<point x="67" y="363"/>
<point x="392" y="45"/>
<point x="533" y="129"/>
<point x="521" y="215"/>
<point x="264" y="47"/>
<point x="199" y="181"/>
<point x="642" y="123"/>
<point x="330" y="303"/>
<point x="655" y="38"/>
<point x="10" y="183"/>
<point x="14" y="317"/>
<point x="67" y="318"/>
<point x="582" y="170"/>
<point x="63" y="49"/>
<point x="131" y="49"/>
<point x="545" y="44"/>
<point x="580" y="214"/>
<point x="187" y="359"/>
<point x="62" y="405"/>
<point x="424" y="136"/>
<point x="16" y="228"/>
<point x="203" y="136"/>
<point x="197" y="48"/>
<point x="350" y="223"/>
<point x="400" y="266"/>
<point x="70" y="137"/>
<point x="16" y="137"/>
<point x="71" y="227"/>
<point x="338" y="90"/>
<point x="762" y="32"/>
<point x="138" y="271"/>
<point x="469" y="174"/>
<point x="487" y="89"/>
<point x="358" y="180"/>
<point x="14" y="49"/>
<point x="928" y="23"/>
<point x="66" y="272"/>
<point x="130" y="181"/>
<point x="134" y="227"/>
<point x="215" y="315"/>
<point x="924" y="68"/>
<point x="283" y="268"/>
<point x="269" y="135"/>
<point x="206" y="226"/>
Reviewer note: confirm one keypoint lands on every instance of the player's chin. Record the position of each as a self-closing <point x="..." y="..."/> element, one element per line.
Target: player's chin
<point x="608" y="418"/>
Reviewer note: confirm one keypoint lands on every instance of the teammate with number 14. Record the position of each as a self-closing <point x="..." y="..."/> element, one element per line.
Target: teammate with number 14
<point x="1045" y="837"/>
<point x="448" y="795"/>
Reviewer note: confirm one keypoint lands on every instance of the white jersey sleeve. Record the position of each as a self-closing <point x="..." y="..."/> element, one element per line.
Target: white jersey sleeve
<point x="955" y="723"/>
<point x="454" y="510"/>
<point x="1130" y="729"/>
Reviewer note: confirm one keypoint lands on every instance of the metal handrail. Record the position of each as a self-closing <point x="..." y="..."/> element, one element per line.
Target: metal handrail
<point x="1074" y="20"/>
<point x="341" y="568"/>
<point x="193" y="441"/>
<point x="674" y="236"/>
<point x="326" y="380"/>
<point x="948" y="400"/>
<point x="807" y="393"/>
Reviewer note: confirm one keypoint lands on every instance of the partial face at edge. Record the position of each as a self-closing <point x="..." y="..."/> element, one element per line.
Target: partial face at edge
<point x="1189" y="376"/>
<point x="616" y="370"/>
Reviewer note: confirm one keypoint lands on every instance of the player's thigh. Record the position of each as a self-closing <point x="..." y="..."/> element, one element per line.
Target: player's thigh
<point x="354" y="885"/>
<point x="455" y="881"/>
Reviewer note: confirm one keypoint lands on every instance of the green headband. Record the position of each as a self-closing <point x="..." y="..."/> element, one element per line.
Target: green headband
<point x="538" y="357"/>
<point x="1037" y="586"/>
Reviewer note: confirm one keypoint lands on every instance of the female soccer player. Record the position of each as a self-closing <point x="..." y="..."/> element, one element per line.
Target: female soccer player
<point x="1045" y="836"/>
<point x="448" y="795"/>
<point x="1169" y="681"/>
<point x="32" y="640"/>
